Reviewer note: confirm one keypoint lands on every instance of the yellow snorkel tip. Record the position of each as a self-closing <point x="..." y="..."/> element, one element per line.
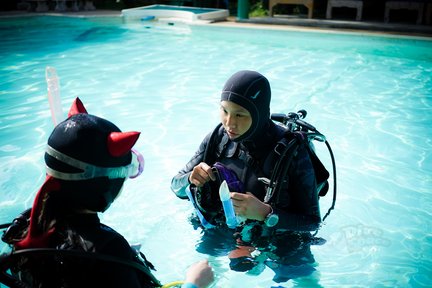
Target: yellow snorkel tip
<point x="173" y="284"/>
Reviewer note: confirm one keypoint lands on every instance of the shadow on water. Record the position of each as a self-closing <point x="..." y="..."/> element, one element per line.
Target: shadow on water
<point x="98" y="34"/>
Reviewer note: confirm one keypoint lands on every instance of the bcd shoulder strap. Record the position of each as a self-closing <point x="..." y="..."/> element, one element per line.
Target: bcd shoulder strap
<point x="212" y="145"/>
<point x="280" y="159"/>
<point x="282" y="155"/>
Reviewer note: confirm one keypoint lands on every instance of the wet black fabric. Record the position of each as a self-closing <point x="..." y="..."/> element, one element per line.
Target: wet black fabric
<point x="297" y="203"/>
<point x="251" y="90"/>
<point x="84" y="137"/>
<point x="84" y="232"/>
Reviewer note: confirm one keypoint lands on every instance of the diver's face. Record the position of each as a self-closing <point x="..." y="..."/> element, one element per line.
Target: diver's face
<point x="235" y="119"/>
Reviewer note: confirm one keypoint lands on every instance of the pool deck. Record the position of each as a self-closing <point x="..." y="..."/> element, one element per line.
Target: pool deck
<point x="278" y="22"/>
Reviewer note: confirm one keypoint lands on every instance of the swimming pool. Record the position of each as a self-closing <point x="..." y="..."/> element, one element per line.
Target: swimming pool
<point x="371" y="96"/>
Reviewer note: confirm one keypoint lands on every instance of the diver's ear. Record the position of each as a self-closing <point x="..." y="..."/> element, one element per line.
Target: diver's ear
<point x="119" y="143"/>
<point x="77" y="107"/>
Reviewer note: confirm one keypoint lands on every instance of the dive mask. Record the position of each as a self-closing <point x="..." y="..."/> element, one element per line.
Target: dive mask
<point x="89" y="171"/>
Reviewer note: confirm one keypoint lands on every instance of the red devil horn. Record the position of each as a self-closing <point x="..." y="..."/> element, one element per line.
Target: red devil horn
<point x="119" y="143"/>
<point x="77" y="107"/>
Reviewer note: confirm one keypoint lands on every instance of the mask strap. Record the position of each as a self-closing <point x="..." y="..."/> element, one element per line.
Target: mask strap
<point x="134" y="169"/>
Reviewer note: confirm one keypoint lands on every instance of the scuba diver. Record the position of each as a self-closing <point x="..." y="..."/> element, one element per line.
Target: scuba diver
<point x="60" y="241"/>
<point x="274" y="179"/>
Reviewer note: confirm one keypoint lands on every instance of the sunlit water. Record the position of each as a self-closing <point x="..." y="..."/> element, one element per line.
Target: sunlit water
<point x="371" y="96"/>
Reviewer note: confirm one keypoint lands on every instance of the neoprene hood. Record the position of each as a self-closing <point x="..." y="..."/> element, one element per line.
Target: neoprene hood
<point x="90" y="156"/>
<point x="251" y="90"/>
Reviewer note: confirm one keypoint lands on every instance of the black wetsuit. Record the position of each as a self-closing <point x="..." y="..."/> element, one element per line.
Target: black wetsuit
<point x="297" y="203"/>
<point x="251" y="156"/>
<point x="84" y="232"/>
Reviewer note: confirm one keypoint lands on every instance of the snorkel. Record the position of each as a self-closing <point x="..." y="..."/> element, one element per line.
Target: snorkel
<point x="228" y="207"/>
<point x="54" y="99"/>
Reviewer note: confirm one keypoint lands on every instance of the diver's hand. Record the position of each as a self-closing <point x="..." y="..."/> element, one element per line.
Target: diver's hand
<point x="200" y="274"/>
<point x="201" y="174"/>
<point x="247" y="205"/>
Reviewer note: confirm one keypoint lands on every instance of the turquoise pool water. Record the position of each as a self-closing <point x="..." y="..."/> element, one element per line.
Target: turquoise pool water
<point x="370" y="95"/>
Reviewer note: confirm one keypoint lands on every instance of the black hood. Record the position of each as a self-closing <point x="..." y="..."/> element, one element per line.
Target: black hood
<point x="251" y="90"/>
<point x="84" y="137"/>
